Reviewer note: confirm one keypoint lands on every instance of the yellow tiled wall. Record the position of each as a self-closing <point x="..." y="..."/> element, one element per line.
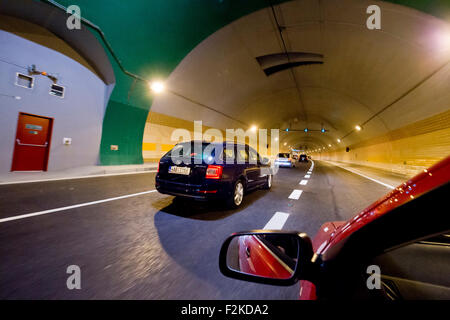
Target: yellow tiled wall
<point x="407" y="150"/>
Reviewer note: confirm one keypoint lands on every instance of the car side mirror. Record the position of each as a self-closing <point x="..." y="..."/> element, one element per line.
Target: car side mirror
<point x="270" y="257"/>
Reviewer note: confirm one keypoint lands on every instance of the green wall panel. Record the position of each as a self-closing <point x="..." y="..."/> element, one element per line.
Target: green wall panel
<point x="124" y="128"/>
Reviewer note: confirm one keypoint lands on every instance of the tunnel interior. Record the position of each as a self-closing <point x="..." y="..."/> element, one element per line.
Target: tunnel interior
<point x="342" y="108"/>
<point x="317" y="104"/>
<point x="313" y="70"/>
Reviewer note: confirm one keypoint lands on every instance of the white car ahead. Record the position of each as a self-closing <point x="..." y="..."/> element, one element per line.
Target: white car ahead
<point x="284" y="160"/>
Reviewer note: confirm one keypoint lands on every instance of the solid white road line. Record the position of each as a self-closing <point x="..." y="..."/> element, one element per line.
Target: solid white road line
<point x="295" y="195"/>
<point x="303" y="182"/>
<point x="364" y="176"/>
<point x="307" y="176"/>
<point x="80" y="177"/>
<point x="29" y="215"/>
<point x="277" y="222"/>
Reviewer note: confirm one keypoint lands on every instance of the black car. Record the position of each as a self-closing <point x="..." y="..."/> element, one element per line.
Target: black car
<point x="204" y="170"/>
<point x="303" y="158"/>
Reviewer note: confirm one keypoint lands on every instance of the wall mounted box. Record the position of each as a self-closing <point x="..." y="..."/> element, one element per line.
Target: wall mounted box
<point x="57" y="91"/>
<point x="24" y="81"/>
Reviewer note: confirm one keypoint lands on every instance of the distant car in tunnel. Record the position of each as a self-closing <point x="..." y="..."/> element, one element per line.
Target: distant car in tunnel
<point x="303" y="158"/>
<point x="397" y="248"/>
<point x="223" y="171"/>
<point x="284" y="160"/>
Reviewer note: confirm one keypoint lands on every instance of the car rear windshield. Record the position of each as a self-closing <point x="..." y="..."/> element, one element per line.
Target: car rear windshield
<point x="192" y="151"/>
<point x="218" y="153"/>
<point x="283" y="155"/>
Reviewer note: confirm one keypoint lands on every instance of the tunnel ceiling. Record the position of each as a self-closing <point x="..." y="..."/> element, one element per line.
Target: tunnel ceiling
<point x="363" y="72"/>
<point x="208" y="53"/>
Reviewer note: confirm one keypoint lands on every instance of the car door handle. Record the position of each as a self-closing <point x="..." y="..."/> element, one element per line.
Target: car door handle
<point x="32" y="145"/>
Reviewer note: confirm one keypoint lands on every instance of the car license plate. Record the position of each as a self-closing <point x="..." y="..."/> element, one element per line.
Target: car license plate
<point x="180" y="170"/>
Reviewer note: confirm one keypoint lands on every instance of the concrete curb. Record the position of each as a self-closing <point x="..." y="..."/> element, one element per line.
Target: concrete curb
<point x="75" y="173"/>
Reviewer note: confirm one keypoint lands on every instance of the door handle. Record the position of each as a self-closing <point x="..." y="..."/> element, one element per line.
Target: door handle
<point x="32" y="145"/>
<point x="247" y="252"/>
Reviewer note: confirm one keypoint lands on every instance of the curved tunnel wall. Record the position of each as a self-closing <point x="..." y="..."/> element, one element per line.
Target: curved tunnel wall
<point x="405" y="151"/>
<point x="164" y="32"/>
<point x="363" y="71"/>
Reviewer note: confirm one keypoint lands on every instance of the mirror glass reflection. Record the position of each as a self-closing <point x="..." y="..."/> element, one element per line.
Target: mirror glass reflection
<point x="268" y="255"/>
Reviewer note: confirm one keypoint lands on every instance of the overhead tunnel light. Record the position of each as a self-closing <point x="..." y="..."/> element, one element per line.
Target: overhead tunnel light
<point x="358" y="128"/>
<point x="253" y="128"/>
<point x="339" y="140"/>
<point x="157" y="86"/>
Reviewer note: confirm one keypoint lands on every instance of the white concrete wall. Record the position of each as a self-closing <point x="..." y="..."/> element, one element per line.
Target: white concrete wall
<point x="79" y="115"/>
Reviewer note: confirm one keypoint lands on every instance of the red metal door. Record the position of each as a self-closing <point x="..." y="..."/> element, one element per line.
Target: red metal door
<point x="32" y="143"/>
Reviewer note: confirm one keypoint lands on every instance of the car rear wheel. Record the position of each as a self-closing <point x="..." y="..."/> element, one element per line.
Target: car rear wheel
<point x="237" y="195"/>
<point x="268" y="183"/>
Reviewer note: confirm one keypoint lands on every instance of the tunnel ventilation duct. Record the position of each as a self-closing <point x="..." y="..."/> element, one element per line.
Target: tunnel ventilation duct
<point x="273" y="63"/>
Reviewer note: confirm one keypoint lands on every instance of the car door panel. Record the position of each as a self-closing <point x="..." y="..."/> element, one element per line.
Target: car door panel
<point x="417" y="271"/>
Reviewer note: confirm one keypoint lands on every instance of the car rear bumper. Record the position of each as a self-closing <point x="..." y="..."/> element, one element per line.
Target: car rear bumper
<point x="212" y="190"/>
<point x="284" y="164"/>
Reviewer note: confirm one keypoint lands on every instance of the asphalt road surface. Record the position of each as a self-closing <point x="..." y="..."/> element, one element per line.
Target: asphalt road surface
<point x="148" y="246"/>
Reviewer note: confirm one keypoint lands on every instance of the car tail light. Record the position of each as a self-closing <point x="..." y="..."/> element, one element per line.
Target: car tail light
<point x="207" y="191"/>
<point x="157" y="170"/>
<point x="214" y="172"/>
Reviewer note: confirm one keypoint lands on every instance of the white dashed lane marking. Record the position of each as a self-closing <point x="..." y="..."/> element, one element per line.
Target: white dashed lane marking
<point x="277" y="222"/>
<point x="295" y="195"/>
<point x="279" y="218"/>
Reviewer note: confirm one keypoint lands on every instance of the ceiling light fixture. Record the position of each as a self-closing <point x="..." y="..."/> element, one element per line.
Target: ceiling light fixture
<point x="157" y="86"/>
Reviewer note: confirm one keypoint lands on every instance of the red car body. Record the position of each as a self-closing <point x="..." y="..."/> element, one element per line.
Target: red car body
<point x="328" y="240"/>
<point x="262" y="261"/>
